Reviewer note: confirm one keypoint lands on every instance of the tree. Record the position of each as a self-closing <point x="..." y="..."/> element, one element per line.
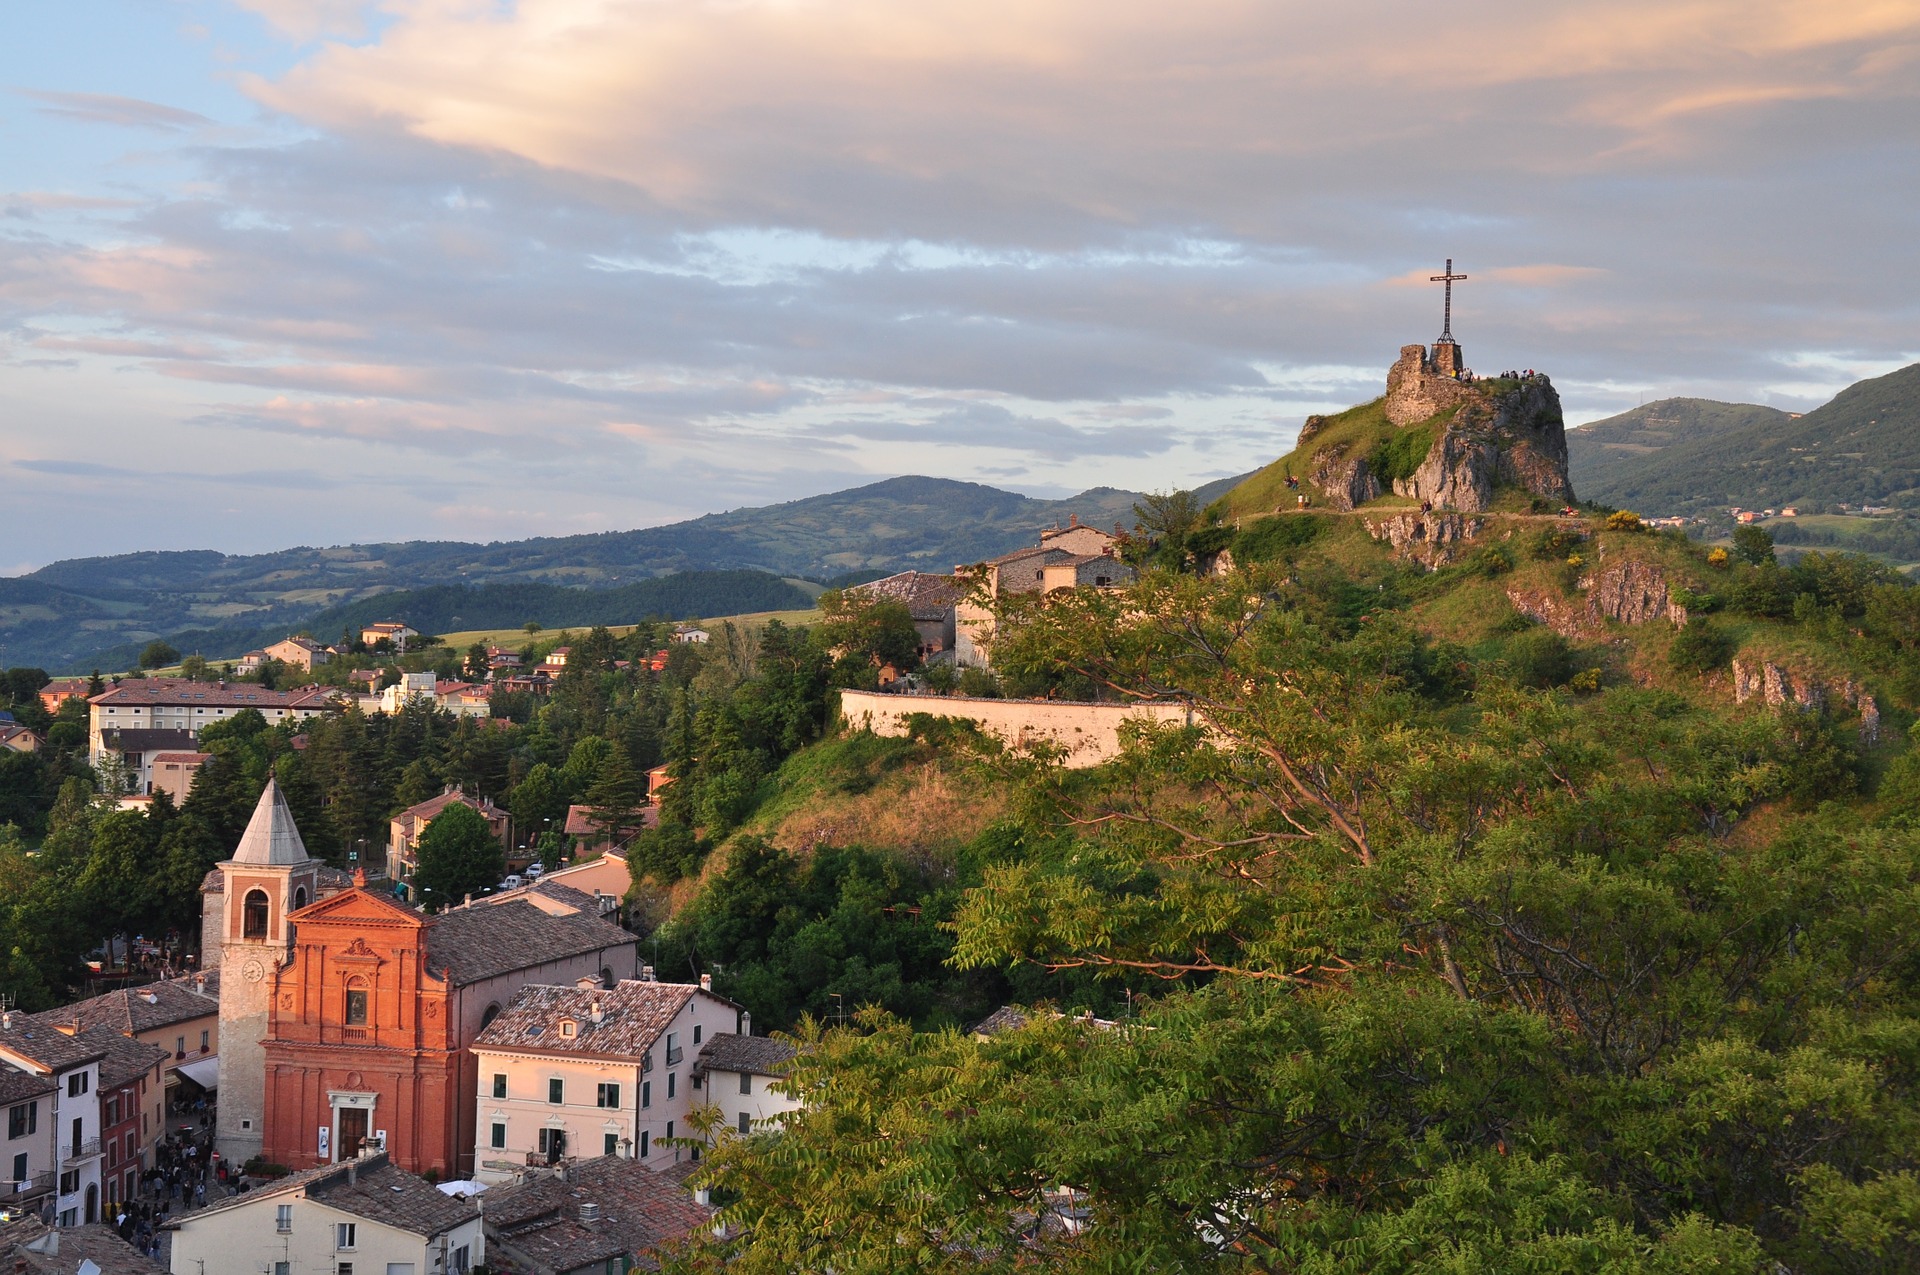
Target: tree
<point x="194" y="667"/>
<point x="479" y="664"/>
<point x="616" y="796"/>
<point x="1753" y="544"/>
<point x="863" y="632"/>
<point x="458" y="856"/>
<point x="158" y="654"/>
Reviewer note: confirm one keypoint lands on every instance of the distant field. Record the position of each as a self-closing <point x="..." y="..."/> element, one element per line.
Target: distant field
<point x="519" y="637"/>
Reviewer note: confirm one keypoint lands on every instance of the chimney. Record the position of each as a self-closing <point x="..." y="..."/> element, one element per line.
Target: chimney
<point x="149" y="998"/>
<point x="6" y="1019"/>
<point x="746" y="1022"/>
<point x="1073" y="520"/>
<point x="589" y="1213"/>
<point x="353" y="1172"/>
<point x="706" y="982"/>
<point x="646" y="973"/>
<point x="594" y="1013"/>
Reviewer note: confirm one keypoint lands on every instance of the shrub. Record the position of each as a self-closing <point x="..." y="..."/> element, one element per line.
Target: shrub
<point x="1540" y="658"/>
<point x="1554" y="542"/>
<point x="1274" y="537"/>
<point x="1586" y="681"/>
<point x="1699" y="648"/>
<point x="1694" y="602"/>
<point x="1400" y="453"/>
<point x="1753" y="544"/>
<point x="1492" y="561"/>
<point x="1625" y="520"/>
<point x="1717" y="557"/>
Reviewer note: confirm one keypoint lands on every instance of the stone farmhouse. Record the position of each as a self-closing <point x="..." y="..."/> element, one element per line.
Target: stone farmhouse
<point x="929" y="599"/>
<point x="1067" y="557"/>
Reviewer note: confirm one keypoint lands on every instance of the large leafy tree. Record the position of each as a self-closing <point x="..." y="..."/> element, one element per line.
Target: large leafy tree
<point x="1459" y="975"/>
<point x="458" y="856"/>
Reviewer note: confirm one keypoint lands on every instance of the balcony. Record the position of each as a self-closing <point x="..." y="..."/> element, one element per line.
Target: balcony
<point x="38" y="1184"/>
<point x="355" y="1035"/>
<point x="72" y="1155"/>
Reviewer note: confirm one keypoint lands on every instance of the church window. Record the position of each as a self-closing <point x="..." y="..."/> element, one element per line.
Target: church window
<point x="254" y="918"/>
<point x="299" y="897"/>
<point x="493" y="1012"/>
<point x="356" y="1002"/>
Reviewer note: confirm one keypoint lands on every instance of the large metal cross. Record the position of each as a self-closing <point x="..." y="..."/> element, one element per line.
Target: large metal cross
<point x="1446" y="326"/>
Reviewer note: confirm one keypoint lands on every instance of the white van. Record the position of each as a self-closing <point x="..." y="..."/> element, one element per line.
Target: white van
<point x="512" y="883"/>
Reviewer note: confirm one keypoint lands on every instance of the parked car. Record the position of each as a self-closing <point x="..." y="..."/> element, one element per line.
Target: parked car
<point x="534" y="870"/>
<point x="513" y="882"/>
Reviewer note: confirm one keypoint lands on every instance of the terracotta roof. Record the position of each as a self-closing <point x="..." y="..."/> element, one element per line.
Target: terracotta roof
<point x="392" y="1196"/>
<point x="66" y="685"/>
<point x="928" y="597"/>
<point x="580" y="822"/>
<point x="127" y="1059"/>
<point x="758" y="1055"/>
<point x="505" y="932"/>
<point x="47" y="1252"/>
<point x="423" y="813"/>
<point x="129" y="1010"/>
<point x="47" y="1046"/>
<point x="640" y="1210"/>
<point x="632" y="1016"/>
<point x="178" y="690"/>
<point x="195" y="759"/>
<point x="18" y="1086"/>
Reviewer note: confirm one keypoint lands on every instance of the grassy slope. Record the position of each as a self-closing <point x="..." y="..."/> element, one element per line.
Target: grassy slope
<point x="1362" y="428"/>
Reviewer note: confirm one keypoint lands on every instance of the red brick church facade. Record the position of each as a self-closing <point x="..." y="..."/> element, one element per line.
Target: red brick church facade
<point x="371" y="1017"/>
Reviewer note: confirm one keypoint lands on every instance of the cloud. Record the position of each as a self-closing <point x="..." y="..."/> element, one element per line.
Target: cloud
<point x="123" y="112"/>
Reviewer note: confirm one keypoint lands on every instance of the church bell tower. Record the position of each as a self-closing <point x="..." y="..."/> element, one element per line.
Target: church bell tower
<point x="269" y="876"/>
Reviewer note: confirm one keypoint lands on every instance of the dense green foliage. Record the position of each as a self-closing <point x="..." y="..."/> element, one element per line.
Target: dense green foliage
<point x="459" y="857"/>
<point x="1399" y="454"/>
<point x="1453" y="973"/>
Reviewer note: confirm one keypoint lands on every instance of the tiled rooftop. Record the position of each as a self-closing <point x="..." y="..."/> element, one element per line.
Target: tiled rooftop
<point x="47" y="1046"/>
<point x="18" y="1086"/>
<point x="632" y="1016"/>
<point x="504" y="932"/>
<point x="378" y="1192"/>
<point x="145" y="691"/>
<point x="759" y="1055"/>
<point x="36" y="1248"/>
<point x="539" y="1219"/>
<point x="126" y="1058"/>
<point x="927" y="596"/>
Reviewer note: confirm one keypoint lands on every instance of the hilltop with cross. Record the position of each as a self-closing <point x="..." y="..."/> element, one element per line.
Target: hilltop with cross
<point x="1441" y="437"/>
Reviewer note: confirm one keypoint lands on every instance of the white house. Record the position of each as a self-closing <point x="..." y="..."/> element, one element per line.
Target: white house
<point x="72" y="1064"/>
<point x="585" y="1071"/>
<point x="737" y="1074"/>
<point x="363" y="1217"/>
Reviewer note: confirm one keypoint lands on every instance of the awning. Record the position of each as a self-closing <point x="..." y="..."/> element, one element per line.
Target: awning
<point x="204" y="1072"/>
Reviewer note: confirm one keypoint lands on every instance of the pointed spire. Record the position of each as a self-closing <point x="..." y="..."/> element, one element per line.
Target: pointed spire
<point x="271" y="837"/>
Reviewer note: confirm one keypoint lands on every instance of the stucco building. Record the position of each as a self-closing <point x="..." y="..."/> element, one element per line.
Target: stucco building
<point x="582" y="1071"/>
<point x="70" y="1146"/>
<point x="180" y="1017"/>
<point x="144" y="716"/>
<point x="404" y="829"/>
<point x="737" y="1074"/>
<point x="363" y="1217"/>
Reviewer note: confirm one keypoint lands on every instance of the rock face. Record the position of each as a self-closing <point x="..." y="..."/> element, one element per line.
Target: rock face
<point x="1631" y="592"/>
<point x="1433" y="539"/>
<point x="1779" y="686"/>
<point x="1634" y="593"/>
<point x="1345" y="480"/>
<point x="1500" y="433"/>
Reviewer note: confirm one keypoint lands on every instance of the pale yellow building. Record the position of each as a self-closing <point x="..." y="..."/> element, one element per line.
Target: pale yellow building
<point x="586" y="1071"/>
<point x="363" y="1217"/>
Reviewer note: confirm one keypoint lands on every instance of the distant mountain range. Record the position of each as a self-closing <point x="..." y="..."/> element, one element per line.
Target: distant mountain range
<point x="1690" y="456"/>
<point x="76" y="614"/>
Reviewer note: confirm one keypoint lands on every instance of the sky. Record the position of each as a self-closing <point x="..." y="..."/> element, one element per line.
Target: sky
<point x="279" y="272"/>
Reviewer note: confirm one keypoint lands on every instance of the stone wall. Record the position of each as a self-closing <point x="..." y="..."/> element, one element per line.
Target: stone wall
<point x="1434" y="539"/>
<point x="1090" y="733"/>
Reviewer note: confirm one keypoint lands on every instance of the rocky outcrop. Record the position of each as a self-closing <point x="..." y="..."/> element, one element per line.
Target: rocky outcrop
<point x="1630" y="592"/>
<point x="1434" y="540"/>
<point x="1778" y="686"/>
<point x="1499" y="433"/>
<point x="1633" y="593"/>
<point x="1345" y="480"/>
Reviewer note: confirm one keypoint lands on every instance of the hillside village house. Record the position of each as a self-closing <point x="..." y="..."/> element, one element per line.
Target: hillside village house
<point x="61" y="689"/>
<point x="929" y="599"/>
<point x="464" y="699"/>
<point x="587" y="835"/>
<point x="27" y="1097"/>
<point x="589" y="1218"/>
<point x="363" y="1216"/>
<point x="737" y="1074"/>
<point x="606" y="878"/>
<point x="17" y="738"/>
<point x="586" y="1070"/>
<point x="145" y="716"/>
<point x="395" y="634"/>
<point x="410" y="688"/>
<point x="173" y="773"/>
<point x="1067" y="557"/>
<point x="70" y="1146"/>
<point x="404" y="829"/>
<point x="301" y="652"/>
<point x="180" y="1017"/>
